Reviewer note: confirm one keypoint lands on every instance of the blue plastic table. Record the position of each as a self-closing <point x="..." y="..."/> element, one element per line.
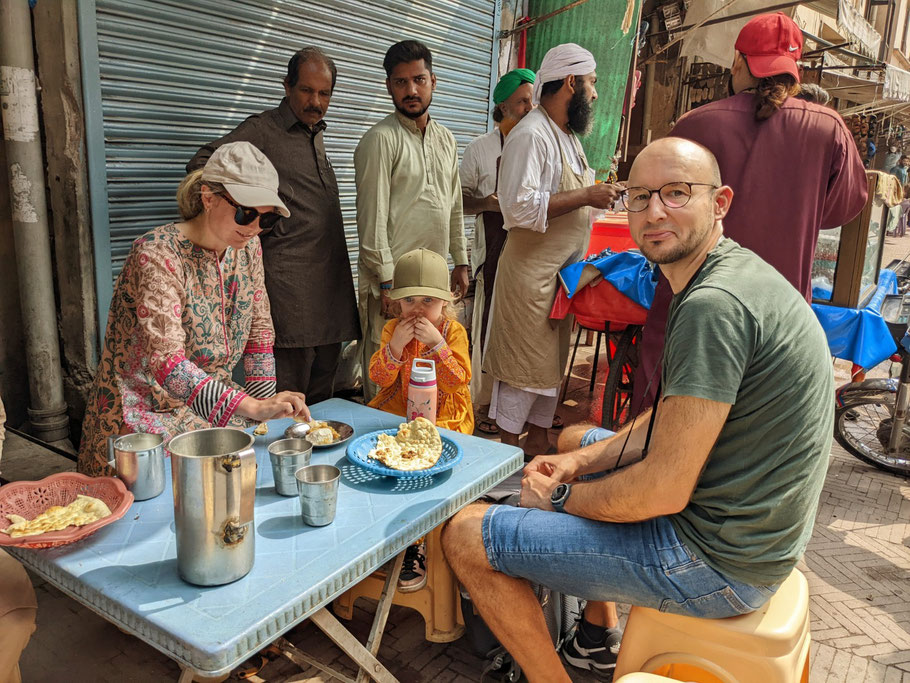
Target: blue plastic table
<point x="127" y="571"/>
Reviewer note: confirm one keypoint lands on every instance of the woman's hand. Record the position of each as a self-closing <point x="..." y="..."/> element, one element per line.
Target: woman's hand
<point x="426" y="332"/>
<point x="403" y="334"/>
<point x="282" y="404"/>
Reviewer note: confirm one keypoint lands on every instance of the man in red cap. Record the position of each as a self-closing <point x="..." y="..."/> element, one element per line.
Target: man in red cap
<point x="793" y="166"/>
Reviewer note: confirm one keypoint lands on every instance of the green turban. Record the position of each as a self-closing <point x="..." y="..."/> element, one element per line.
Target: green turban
<point x="509" y="83"/>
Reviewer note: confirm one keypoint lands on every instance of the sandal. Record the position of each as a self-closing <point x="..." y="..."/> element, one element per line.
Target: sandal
<point x="557" y="423"/>
<point x="487" y="426"/>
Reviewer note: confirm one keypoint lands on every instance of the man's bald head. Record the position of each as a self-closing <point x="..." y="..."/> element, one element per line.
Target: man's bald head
<point x="699" y="164"/>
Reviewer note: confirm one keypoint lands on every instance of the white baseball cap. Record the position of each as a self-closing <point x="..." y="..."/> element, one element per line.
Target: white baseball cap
<point x="247" y="174"/>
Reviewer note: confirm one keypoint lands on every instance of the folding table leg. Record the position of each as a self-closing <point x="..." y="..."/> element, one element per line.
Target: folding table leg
<point x="382" y="611"/>
<point x="351" y="646"/>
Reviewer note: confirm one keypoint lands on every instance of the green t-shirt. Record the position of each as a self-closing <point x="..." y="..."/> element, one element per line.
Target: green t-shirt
<point x="741" y="334"/>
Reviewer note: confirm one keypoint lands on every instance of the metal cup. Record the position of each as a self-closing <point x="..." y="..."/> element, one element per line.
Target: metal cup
<point x="287" y="456"/>
<point x="139" y="462"/>
<point x="317" y="486"/>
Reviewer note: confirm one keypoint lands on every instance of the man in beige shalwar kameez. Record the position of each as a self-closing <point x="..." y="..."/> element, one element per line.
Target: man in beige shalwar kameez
<point x="408" y="191"/>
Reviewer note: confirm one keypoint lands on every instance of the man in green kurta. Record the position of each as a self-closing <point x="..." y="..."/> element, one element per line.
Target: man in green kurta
<point x="408" y="190"/>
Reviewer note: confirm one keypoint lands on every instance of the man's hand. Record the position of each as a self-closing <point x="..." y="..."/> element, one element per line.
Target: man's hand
<point x="560" y="468"/>
<point x="603" y="195"/>
<point x="426" y="332"/>
<point x="403" y="334"/>
<point x="384" y="301"/>
<point x="460" y="281"/>
<point x="492" y="203"/>
<point x="536" y="489"/>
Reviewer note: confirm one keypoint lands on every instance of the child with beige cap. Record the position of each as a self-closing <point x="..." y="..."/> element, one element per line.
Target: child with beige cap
<point x="424" y="328"/>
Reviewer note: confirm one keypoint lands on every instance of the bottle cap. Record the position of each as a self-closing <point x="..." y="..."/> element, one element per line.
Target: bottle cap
<point x="423" y="372"/>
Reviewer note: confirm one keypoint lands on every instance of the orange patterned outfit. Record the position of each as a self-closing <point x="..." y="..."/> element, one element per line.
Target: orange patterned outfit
<point x="453" y="376"/>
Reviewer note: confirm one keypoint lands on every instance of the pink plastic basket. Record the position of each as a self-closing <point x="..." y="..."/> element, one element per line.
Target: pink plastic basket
<point x="30" y="498"/>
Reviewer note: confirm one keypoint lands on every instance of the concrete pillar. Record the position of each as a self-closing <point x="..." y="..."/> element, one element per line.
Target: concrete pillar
<point x="56" y="34"/>
<point x="22" y="139"/>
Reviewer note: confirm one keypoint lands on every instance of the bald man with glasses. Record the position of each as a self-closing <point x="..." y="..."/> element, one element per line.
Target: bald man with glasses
<point x="707" y="514"/>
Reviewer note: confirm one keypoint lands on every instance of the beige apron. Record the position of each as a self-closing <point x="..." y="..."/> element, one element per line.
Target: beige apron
<point x="525" y="348"/>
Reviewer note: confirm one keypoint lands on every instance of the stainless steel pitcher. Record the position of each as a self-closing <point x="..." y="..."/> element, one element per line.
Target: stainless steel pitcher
<point x="138" y="460"/>
<point x="214" y="476"/>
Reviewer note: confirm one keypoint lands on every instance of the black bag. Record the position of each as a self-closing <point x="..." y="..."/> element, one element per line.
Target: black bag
<point x="561" y="612"/>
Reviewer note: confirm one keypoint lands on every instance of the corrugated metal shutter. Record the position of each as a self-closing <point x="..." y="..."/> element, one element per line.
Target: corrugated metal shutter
<point x="174" y="75"/>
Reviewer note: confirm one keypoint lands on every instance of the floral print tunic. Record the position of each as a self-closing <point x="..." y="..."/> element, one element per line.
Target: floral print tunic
<point x="454" y="409"/>
<point x="180" y="321"/>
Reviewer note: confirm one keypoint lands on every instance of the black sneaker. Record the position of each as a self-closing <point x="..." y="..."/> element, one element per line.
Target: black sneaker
<point x="601" y="658"/>
<point x="413" y="575"/>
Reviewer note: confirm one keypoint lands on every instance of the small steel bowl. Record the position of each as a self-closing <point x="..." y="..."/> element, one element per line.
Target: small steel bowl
<point x="298" y="430"/>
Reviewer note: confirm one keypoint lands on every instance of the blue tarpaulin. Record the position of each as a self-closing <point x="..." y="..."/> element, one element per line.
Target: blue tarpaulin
<point x="860" y="335"/>
<point x="628" y="271"/>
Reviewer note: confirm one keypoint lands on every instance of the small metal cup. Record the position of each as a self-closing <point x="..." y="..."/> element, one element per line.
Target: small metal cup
<point x="139" y="462"/>
<point x="287" y="456"/>
<point x="317" y="486"/>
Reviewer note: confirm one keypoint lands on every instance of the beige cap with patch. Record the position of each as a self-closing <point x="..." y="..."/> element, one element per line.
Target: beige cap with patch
<point x="421" y="272"/>
<point x="247" y="174"/>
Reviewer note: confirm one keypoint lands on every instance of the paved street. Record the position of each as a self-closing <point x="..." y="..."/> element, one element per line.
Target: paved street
<point x="857" y="564"/>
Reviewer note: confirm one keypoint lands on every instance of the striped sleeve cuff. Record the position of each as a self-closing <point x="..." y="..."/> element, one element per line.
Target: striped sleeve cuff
<point x="215" y="402"/>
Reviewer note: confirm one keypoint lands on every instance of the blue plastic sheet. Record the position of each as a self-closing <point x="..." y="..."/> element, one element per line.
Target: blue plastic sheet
<point x="860" y="335"/>
<point x="628" y="271"/>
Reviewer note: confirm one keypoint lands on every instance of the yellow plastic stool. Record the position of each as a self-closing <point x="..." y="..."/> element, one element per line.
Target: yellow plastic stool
<point x="770" y="645"/>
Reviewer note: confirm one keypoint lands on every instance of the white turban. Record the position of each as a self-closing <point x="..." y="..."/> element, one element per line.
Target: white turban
<point x="563" y="60"/>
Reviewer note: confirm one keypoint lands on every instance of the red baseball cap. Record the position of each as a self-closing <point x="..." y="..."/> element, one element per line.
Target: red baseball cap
<point x="771" y="44"/>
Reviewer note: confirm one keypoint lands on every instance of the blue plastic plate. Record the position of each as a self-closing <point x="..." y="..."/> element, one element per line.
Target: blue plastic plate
<point x="359" y="449"/>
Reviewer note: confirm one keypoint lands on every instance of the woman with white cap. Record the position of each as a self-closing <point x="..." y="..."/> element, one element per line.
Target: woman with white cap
<point x="189" y="305"/>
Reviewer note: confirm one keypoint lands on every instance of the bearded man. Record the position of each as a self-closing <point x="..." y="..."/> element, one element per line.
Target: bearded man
<point x="408" y="191"/>
<point x="545" y="189"/>
<point x="479" y="180"/>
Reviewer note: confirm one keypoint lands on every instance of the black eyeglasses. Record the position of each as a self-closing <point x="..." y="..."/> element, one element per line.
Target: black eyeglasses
<point x="244" y="215"/>
<point x="673" y="195"/>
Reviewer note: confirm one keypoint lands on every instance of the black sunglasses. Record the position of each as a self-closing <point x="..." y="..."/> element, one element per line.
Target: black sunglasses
<point x="244" y="215"/>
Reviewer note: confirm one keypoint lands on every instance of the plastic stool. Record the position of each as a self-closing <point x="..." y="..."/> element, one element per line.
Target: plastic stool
<point x="769" y="645"/>
<point x="640" y="677"/>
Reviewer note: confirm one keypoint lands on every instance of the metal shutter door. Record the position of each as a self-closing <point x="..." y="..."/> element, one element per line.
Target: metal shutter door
<point x="164" y="77"/>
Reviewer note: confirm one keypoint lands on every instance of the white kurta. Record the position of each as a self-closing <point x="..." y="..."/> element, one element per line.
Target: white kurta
<point x="478" y="180"/>
<point x="525" y="186"/>
<point x="531" y="172"/>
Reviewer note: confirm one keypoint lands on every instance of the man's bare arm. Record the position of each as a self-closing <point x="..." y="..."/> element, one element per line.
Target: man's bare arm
<point x="476" y="205"/>
<point x="600" y="196"/>
<point x="685" y="432"/>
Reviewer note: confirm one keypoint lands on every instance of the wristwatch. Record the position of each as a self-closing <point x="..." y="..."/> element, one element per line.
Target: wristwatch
<point x="559" y="496"/>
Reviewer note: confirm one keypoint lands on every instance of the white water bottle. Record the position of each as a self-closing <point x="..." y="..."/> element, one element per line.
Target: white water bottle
<point x="422" y="390"/>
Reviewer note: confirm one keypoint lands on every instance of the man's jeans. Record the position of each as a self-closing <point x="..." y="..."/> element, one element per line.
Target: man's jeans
<point x="640" y="563"/>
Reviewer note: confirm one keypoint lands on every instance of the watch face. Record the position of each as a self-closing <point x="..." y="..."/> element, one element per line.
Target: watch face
<point x="559" y="492"/>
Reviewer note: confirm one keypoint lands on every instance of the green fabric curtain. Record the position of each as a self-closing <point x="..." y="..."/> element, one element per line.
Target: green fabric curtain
<point x="608" y="28"/>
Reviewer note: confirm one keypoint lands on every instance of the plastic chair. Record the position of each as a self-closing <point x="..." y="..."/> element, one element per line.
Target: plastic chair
<point x="770" y="645"/>
<point x="439" y="602"/>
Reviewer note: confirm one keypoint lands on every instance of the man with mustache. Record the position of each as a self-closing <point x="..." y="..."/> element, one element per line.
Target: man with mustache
<point x="408" y="191"/>
<point x="545" y="189"/>
<point x="307" y="269"/>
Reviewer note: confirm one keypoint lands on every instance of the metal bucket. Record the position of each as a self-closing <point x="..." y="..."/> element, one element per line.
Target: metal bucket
<point x="138" y="460"/>
<point x="214" y="477"/>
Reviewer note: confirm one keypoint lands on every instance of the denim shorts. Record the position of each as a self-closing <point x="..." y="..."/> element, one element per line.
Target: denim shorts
<point x="640" y="563"/>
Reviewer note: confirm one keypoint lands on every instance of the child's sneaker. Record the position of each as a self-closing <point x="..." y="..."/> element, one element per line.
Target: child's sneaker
<point x="413" y="575"/>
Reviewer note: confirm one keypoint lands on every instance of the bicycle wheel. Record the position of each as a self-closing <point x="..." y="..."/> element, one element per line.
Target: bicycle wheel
<point x="617" y="399"/>
<point x="863" y="427"/>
